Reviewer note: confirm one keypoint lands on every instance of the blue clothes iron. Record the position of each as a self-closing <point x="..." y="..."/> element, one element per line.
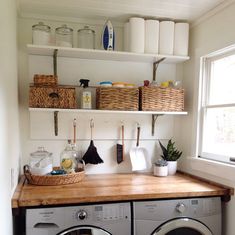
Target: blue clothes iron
<point x="108" y="37"/>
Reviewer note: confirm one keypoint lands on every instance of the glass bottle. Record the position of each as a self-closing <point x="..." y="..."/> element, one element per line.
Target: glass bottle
<point x="64" y="36"/>
<point x="69" y="158"/>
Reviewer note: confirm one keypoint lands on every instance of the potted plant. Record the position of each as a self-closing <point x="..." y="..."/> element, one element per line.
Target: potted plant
<point x="171" y="155"/>
<point x="160" y="168"/>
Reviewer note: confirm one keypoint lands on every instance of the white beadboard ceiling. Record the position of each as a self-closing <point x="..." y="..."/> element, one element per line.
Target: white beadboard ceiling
<point x="117" y="10"/>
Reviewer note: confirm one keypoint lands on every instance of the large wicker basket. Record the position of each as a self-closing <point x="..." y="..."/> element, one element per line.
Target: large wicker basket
<point x="53" y="179"/>
<point x="63" y="97"/>
<point x="161" y="99"/>
<point x="115" y="98"/>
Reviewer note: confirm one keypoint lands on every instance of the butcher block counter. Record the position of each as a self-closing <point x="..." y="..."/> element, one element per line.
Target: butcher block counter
<point x="117" y="187"/>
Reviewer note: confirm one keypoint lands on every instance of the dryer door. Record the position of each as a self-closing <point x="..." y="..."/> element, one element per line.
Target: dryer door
<point x="84" y="230"/>
<point x="182" y="226"/>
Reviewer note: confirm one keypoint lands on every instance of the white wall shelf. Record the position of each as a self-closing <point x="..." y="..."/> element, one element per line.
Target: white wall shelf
<point x="106" y="111"/>
<point x="102" y="54"/>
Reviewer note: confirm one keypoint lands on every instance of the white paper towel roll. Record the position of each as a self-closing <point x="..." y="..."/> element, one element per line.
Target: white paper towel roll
<point x="126" y="38"/>
<point x="151" y="36"/>
<point x="166" y="37"/>
<point x="181" y="39"/>
<point x="137" y="26"/>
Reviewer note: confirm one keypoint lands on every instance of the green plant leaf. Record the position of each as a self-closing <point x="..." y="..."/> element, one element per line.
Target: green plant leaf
<point x="164" y="151"/>
<point x="170" y="153"/>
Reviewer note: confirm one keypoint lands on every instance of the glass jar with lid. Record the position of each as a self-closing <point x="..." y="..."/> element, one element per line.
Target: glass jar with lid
<point x="40" y="162"/>
<point x="86" y="38"/>
<point x="69" y="158"/>
<point x="41" y="34"/>
<point x="64" y="36"/>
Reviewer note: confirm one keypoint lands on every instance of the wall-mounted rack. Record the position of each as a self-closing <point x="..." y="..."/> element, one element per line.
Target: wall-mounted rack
<point x="55" y="112"/>
<point x="95" y="54"/>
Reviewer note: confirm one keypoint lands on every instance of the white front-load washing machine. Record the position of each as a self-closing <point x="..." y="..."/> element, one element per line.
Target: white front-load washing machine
<point x="195" y="216"/>
<point x="101" y="219"/>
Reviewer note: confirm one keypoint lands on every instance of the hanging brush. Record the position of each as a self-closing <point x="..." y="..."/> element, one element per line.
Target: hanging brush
<point x="120" y="147"/>
<point x="74" y="131"/>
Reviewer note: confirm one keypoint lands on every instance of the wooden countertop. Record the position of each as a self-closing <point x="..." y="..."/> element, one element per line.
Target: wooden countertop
<point x="117" y="187"/>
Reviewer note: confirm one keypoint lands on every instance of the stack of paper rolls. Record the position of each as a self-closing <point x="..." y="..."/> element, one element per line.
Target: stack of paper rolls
<point x="154" y="37"/>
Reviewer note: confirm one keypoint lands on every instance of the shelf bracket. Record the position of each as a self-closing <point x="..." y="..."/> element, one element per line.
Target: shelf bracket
<point x="155" y="65"/>
<point x="154" y="119"/>
<point x="56" y="122"/>
<point x="55" y="61"/>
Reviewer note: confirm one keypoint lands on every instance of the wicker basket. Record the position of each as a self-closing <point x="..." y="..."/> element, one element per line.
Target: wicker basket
<point x="115" y="98"/>
<point x="53" y="179"/>
<point x="161" y="99"/>
<point x="63" y="97"/>
<point x="45" y="80"/>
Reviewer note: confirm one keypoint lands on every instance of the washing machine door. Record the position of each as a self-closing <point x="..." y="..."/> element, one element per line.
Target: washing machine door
<point x="84" y="230"/>
<point x="182" y="226"/>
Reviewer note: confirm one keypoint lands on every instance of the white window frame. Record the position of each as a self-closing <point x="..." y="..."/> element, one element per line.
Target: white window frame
<point x="206" y="62"/>
<point x="208" y="166"/>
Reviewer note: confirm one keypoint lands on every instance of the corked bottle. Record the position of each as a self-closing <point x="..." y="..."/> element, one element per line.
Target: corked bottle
<point x="68" y="158"/>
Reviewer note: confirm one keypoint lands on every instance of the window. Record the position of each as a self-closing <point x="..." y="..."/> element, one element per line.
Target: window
<point x="217" y="108"/>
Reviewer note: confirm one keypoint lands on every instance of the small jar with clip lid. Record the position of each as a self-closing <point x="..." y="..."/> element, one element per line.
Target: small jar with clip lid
<point x="40" y="162"/>
<point x="69" y="158"/>
<point x="41" y="34"/>
<point x="64" y="36"/>
<point x="86" y="38"/>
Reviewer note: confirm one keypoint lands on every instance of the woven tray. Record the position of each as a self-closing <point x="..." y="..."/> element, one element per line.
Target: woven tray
<point x="53" y="179"/>
<point x="115" y="98"/>
<point x="161" y="99"/>
<point x="46" y="80"/>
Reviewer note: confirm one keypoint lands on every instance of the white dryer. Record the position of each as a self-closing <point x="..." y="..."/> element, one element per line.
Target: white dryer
<point x="195" y="216"/>
<point x="101" y="219"/>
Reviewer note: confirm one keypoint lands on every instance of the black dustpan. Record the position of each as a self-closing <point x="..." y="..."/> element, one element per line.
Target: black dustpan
<point x="91" y="156"/>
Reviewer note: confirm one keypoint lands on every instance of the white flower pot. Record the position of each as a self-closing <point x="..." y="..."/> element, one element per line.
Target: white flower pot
<point x="160" y="170"/>
<point x="172" y="167"/>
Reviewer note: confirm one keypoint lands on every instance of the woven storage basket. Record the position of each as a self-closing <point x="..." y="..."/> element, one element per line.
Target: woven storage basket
<point x="45" y="80"/>
<point x="161" y="99"/>
<point x="53" y="179"/>
<point x="115" y="98"/>
<point x="52" y="97"/>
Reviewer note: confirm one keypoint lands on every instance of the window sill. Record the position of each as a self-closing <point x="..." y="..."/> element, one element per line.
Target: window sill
<point x="221" y="170"/>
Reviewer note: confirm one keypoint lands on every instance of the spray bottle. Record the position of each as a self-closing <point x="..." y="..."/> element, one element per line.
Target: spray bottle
<point x="85" y="94"/>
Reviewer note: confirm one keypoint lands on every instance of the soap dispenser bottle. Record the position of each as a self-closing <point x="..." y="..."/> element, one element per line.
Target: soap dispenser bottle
<point x="86" y="99"/>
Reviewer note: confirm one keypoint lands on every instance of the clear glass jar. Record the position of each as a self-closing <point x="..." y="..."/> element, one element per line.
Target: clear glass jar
<point x="86" y="38"/>
<point x="40" y="162"/>
<point x="41" y="34"/>
<point x="69" y="158"/>
<point x="64" y="36"/>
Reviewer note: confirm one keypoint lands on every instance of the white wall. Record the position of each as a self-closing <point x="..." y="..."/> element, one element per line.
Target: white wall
<point x="35" y="133"/>
<point x="9" y="134"/>
<point x="212" y="34"/>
